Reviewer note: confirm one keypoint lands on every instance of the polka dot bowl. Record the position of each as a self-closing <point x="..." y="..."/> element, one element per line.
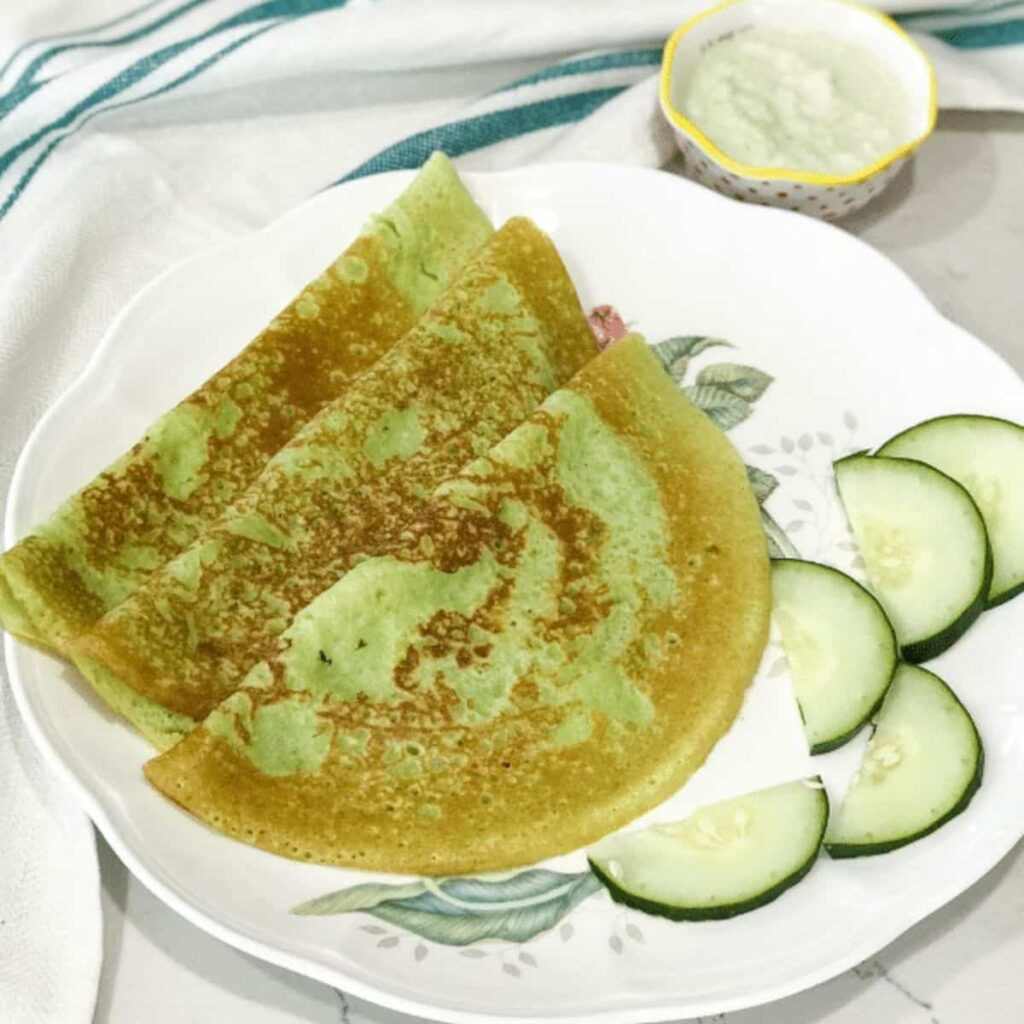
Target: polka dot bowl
<point x="827" y="196"/>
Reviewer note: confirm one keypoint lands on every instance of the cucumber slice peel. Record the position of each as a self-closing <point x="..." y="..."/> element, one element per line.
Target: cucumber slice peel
<point x="985" y="455"/>
<point x="840" y="647"/>
<point x="924" y="543"/>
<point x="922" y="768"/>
<point x="725" y="859"/>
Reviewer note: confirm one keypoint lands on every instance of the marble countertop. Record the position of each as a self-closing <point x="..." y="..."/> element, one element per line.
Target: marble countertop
<point x="954" y="221"/>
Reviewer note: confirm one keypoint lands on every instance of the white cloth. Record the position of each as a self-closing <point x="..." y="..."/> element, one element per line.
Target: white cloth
<point x="50" y="926"/>
<point x="134" y="135"/>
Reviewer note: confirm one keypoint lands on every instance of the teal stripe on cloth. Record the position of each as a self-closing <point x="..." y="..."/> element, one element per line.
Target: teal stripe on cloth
<point x="270" y="10"/>
<point x="649" y="56"/>
<point x="57" y="36"/>
<point x="487" y="129"/>
<point x="983" y="25"/>
<point x="979" y="37"/>
<point x="970" y="10"/>
<point x="459" y="137"/>
<point x="203" y="65"/>
<point x="26" y="83"/>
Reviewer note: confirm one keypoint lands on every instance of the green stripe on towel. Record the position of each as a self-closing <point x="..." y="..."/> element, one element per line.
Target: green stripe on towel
<point x="27" y="84"/>
<point x="56" y="37"/>
<point x="979" y="37"/>
<point x="193" y="72"/>
<point x="458" y="137"/>
<point x="647" y="57"/>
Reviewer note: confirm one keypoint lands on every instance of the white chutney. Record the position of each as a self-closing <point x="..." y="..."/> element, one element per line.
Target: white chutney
<point x="798" y="100"/>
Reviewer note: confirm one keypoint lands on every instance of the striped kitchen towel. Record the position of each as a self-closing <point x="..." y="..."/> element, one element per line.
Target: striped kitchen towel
<point x="134" y="134"/>
<point x="168" y="63"/>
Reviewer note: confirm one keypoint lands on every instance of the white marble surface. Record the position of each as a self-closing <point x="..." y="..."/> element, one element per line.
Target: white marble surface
<point x="954" y="221"/>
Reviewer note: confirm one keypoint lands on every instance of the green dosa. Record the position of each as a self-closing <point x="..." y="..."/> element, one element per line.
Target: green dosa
<point x="100" y="545"/>
<point x="551" y="649"/>
<point x="506" y="334"/>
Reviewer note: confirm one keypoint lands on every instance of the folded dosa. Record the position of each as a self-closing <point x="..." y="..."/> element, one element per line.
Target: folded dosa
<point x="100" y="545"/>
<point x="506" y="334"/>
<point x="548" y="651"/>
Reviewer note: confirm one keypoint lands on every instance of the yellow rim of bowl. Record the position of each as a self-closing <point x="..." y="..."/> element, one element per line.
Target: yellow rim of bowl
<point x="783" y="173"/>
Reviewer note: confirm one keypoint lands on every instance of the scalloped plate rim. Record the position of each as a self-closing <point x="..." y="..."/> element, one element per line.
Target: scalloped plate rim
<point x="165" y="888"/>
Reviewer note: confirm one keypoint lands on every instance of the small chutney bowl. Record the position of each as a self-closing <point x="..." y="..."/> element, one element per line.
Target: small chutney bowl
<point x="822" y="195"/>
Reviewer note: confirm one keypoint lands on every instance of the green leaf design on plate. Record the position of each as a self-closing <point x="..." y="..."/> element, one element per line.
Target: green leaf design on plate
<point x="358" y="897"/>
<point x="761" y="483"/>
<point x="746" y="382"/>
<point x="676" y="352"/>
<point x="779" y="544"/>
<point x="724" y="407"/>
<point x="459" y="911"/>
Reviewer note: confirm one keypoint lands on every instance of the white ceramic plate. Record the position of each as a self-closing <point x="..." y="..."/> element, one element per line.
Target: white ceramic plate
<point x="856" y="353"/>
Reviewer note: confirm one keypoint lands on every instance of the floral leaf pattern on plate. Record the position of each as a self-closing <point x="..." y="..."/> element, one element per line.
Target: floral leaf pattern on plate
<point x="745" y="382"/>
<point x="460" y="911"/>
<point x="724" y="407"/>
<point x="725" y="391"/>
<point x="358" y="897"/>
<point x="779" y="544"/>
<point x="685" y="346"/>
<point x="761" y="483"/>
<point x="809" y="504"/>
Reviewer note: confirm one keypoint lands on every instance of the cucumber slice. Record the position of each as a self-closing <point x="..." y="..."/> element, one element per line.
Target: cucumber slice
<point x="986" y="455"/>
<point x="924" y="544"/>
<point x="921" y="768"/>
<point x="840" y="647"/>
<point x="723" y="860"/>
